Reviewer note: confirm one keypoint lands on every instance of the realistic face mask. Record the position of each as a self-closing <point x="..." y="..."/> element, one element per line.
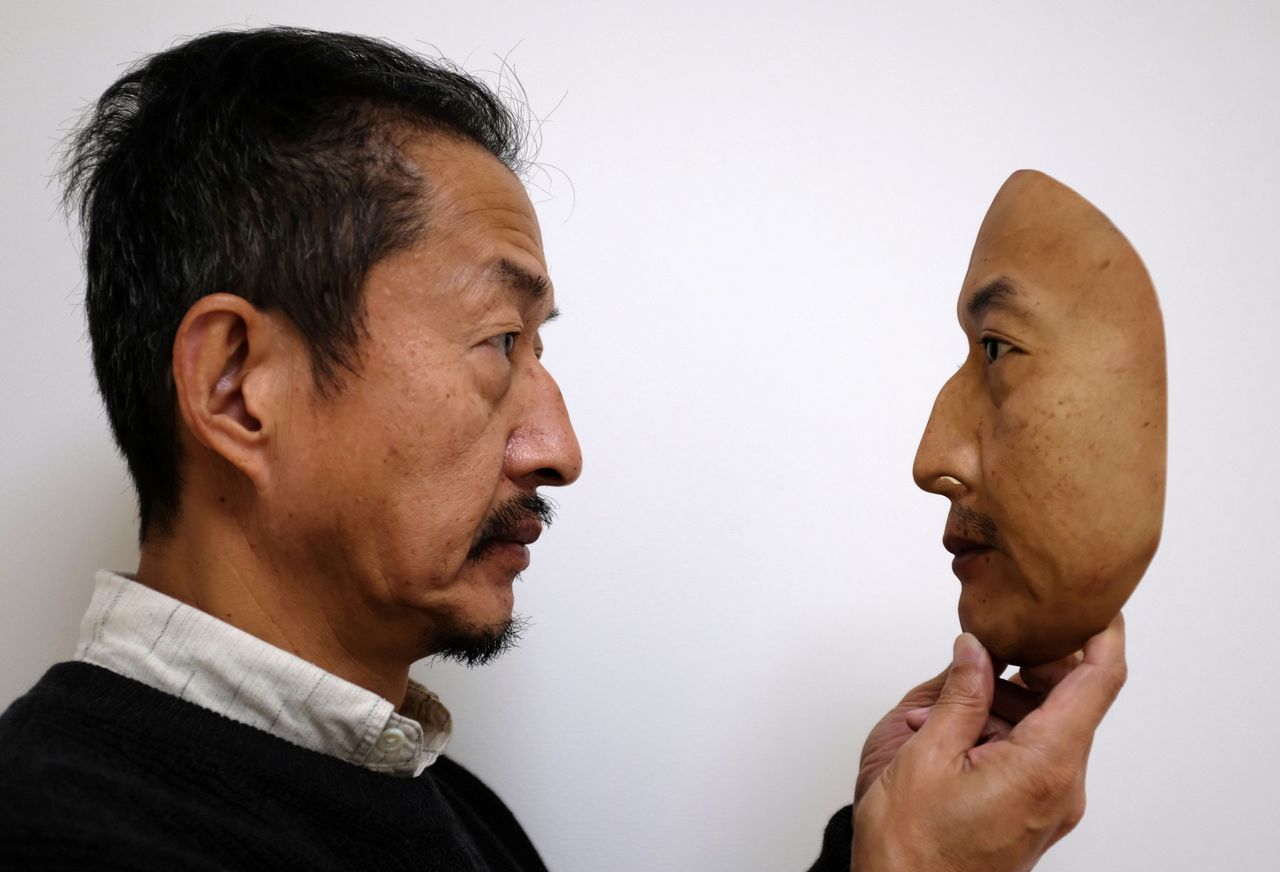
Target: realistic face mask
<point x="1050" y="439"/>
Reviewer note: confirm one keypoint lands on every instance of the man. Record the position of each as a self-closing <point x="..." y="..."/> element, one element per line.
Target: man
<point x="315" y="290"/>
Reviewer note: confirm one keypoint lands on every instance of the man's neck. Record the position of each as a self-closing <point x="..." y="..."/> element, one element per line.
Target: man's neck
<point x="210" y="564"/>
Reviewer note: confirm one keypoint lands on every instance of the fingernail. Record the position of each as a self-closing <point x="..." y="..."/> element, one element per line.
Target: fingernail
<point x="968" y="649"/>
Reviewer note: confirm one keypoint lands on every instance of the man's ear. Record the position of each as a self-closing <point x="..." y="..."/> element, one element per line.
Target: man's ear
<point x="228" y="369"/>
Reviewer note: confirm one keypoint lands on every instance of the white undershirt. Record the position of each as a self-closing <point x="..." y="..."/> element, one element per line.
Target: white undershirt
<point x="145" y="635"/>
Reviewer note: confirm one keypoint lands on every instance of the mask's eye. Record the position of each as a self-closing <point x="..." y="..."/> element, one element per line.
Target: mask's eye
<point x="996" y="349"/>
<point x="504" y="342"/>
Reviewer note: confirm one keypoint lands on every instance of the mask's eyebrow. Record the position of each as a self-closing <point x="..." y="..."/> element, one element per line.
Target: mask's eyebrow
<point x="999" y="293"/>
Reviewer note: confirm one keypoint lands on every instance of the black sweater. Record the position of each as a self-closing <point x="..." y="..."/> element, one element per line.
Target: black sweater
<point x="101" y="772"/>
<point x="98" y="771"/>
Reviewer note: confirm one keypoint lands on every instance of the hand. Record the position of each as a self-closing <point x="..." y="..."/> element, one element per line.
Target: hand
<point x="1013" y="701"/>
<point x="970" y="791"/>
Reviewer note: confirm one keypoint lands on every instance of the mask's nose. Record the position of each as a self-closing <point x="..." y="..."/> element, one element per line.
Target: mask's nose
<point x="948" y="459"/>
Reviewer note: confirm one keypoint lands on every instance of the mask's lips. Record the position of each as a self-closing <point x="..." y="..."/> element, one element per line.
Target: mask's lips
<point x="960" y="545"/>
<point x="972" y="556"/>
<point x="969" y="530"/>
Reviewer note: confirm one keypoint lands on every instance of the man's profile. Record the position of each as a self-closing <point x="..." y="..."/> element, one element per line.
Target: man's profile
<point x="316" y="292"/>
<point x="315" y="289"/>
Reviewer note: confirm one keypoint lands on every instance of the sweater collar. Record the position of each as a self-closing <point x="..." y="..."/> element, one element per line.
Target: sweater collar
<point x="175" y="648"/>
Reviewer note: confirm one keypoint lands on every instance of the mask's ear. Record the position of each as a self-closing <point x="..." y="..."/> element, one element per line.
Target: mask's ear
<point x="229" y="369"/>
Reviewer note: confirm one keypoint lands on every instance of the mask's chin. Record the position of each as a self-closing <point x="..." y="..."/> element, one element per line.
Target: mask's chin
<point x="1059" y="606"/>
<point x="996" y="631"/>
<point x="1009" y="622"/>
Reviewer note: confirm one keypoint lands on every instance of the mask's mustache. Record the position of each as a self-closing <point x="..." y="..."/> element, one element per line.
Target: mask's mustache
<point x="977" y="526"/>
<point x="501" y="521"/>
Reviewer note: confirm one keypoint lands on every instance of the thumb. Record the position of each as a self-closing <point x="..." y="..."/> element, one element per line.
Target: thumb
<point x="957" y="719"/>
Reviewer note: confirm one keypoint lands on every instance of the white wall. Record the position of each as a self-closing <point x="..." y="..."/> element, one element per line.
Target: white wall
<point x="770" y="210"/>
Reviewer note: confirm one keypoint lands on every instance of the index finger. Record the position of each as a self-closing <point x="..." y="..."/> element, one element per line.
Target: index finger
<point x="1074" y="708"/>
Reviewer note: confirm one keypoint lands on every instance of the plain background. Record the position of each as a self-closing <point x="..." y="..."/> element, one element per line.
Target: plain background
<point x="757" y="217"/>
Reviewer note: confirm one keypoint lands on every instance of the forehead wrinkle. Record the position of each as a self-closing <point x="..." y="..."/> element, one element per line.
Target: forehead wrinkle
<point x="522" y="221"/>
<point x="474" y="224"/>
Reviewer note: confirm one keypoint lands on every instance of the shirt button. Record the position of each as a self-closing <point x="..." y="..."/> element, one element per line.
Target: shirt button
<point x="391" y="739"/>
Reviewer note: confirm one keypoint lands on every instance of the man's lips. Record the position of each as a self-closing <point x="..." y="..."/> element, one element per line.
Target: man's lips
<point x="510" y="545"/>
<point x="525" y="532"/>
<point x="509" y="529"/>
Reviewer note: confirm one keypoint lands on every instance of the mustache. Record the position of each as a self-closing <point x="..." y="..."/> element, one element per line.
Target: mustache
<point x="500" y="522"/>
<point x="977" y="526"/>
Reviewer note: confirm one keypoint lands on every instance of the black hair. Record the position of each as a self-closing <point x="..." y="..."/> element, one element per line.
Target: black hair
<point x="263" y="163"/>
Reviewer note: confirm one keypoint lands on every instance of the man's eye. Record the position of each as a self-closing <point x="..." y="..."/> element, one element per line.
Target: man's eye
<point x="996" y="349"/>
<point x="504" y="342"/>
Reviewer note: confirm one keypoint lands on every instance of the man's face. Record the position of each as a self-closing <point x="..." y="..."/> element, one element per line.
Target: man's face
<point x="408" y="491"/>
<point x="1050" y="439"/>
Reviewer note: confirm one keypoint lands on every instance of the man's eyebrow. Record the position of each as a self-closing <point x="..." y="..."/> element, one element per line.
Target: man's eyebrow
<point x="525" y="283"/>
<point x="998" y="293"/>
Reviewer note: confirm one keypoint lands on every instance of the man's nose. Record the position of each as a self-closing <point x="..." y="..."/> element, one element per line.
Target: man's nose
<point x="948" y="461"/>
<point x="543" y="449"/>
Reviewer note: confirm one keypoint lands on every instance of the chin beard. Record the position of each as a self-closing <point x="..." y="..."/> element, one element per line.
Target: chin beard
<point x="473" y="645"/>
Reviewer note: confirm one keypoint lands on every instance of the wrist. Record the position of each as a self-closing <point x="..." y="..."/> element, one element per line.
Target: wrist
<point x="884" y="845"/>
<point x="869" y="852"/>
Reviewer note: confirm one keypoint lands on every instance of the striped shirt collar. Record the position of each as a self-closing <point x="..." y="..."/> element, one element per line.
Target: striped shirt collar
<point x="152" y="638"/>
